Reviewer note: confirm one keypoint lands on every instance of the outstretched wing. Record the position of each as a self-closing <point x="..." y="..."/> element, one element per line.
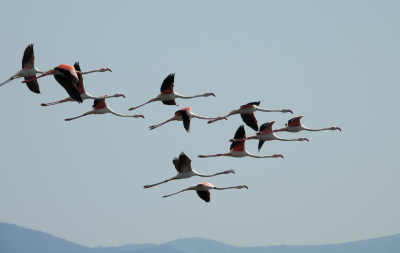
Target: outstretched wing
<point x="169" y="102"/>
<point x="184" y="163"/>
<point x="80" y="78"/>
<point x="185" y="119"/>
<point x="250" y="104"/>
<point x="266" y="126"/>
<point x="250" y="120"/>
<point x="175" y="161"/>
<point x="70" y="87"/>
<point x="28" y="60"/>
<point x="240" y="133"/>
<point x="294" y="122"/>
<point x="168" y="82"/>
<point x="204" y="195"/>
<point x="33" y="85"/>
<point x="260" y="144"/>
<point x="67" y="73"/>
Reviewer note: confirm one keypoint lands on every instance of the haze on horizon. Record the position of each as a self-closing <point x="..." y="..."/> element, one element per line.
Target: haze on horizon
<point x="335" y="62"/>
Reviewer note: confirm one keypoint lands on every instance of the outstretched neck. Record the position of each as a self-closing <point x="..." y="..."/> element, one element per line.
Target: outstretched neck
<point x="88" y="72"/>
<point x="225" y="188"/>
<point x="319" y="129"/>
<point x="200" y="117"/>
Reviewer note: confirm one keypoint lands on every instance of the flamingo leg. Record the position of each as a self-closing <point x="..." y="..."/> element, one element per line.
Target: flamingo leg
<point x="218" y="118"/>
<point x="155" y="126"/>
<point x="57" y="102"/>
<point x="174" y="193"/>
<point x="75" y="117"/>
<point x="35" y="78"/>
<point x="133" y="108"/>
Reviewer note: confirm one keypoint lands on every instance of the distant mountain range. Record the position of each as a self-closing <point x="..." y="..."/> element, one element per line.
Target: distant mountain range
<point x="14" y="239"/>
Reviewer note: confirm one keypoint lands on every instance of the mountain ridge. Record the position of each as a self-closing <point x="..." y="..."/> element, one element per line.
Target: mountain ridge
<point x="15" y="239"/>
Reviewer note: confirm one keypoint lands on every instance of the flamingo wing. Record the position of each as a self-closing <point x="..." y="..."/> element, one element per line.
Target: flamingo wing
<point x="80" y="87"/>
<point x="69" y="74"/>
<point x="260" y="144"/>
<point x="28" y="60"/>
<point x="266" y="126"/>
<point x="184" y="163"/>
<point x="33" y="85"/>
<point x="204" y="195"/>
<point x="240" y="133"/>
<point x="70" y="87"/>
<point x="168" y="82"/>
<point x="294" y="122"/>
<point x="250" y="104"/>
<point x="185" y="119"/>
<point x="250" y="120"/>
<point x="169" y="102"/>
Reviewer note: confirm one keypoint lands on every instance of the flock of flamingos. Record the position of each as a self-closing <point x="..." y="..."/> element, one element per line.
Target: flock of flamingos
<point x="70" y="78"/>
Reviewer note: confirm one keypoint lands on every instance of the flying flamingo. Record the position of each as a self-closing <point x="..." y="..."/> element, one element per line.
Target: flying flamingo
<point x="203" y="190"/>
<point x="237" y="147"/>
<point x="266" y="134"/>
<point x="247" y="113"/>
<point x="28" y="70"/>
<point x="81" y="90"/>
<point x="167" y="95"/>
<point x="184" y="115"/>
<point x="100" y="107"/>
<point x="67" y="77"/>
<point x="184" y="168"/>
<point x="295" y="126"/>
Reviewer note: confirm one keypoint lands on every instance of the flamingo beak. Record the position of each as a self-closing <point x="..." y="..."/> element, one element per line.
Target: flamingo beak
<point x="212" y="94"/>
<point x="246" y="187"/>
<point x="108" y="69"/>
<point x="339" y="129"/>
<point x="290" y="111"/>
<point x="307" y="140"/>
<point x="121" y="95"/>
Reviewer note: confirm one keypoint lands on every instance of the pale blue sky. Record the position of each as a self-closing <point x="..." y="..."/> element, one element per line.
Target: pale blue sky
<point x="336" y="62"/>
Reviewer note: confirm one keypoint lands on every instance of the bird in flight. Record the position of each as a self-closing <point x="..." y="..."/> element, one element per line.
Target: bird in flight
<point x="237" y="148"/>
<point x="247" y="113"/>
<point x="168" y="95"/>
<point x="184" y="169"/>
<point x="266" y="134"/>
<point x="203" y="190"/>
<point x="81" y="90"/>
<point x="28" y="70"/>
<point x="295" y="126"/>
<point x="184" y="115"/>
<point x="100" y="107"/>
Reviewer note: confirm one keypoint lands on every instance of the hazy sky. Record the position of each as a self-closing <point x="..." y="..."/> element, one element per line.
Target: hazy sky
<point x="335" y="62"/>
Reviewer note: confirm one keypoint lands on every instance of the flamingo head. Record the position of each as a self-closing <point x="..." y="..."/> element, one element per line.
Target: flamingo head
<point x="138" y="116"/>
<point x="242" y="186"/>
<point x="105" y="69"/>
<point x="209" y="94"/>
<point x="287" y="110"/>
<point x="119" y="95"/>
<point x="336" y="128"/>
<point x="303" y="139"/>
<point x="277" y="155"/>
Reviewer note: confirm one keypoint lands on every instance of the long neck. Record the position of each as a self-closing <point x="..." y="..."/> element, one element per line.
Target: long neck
<point x="257" y="156"/>
<point x="90" y="96"/>
<point x="202" y="175"/>
<point x="121" y="115"/>
<point x="319" y="129"/>
<point x="281" y="139"/>
<point x="88" y="72"/>
<point x="151" y="185"/>
<point x="200" y="117"/>
<point x="217" y="155"/>
<point x="225" y="188"/>
<point x="188" y="97"/>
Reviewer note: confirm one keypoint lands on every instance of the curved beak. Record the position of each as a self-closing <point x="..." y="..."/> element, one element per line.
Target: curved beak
<point x="109" y="69"/>
<point x="213" y="94"/>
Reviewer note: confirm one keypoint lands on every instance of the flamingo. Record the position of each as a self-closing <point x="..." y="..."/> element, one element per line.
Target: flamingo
<point x="67" y="77"/>
<point x="266" y="134"/>
<point x="237" y="147"/>
<point x="184" y="115"/>
<point x="81" y="90"/>
<point x="184" y="168"/>
<point x="295" y="126"/>
<point x="28" y="70"/>
<point x="167" y="95"/>
<point x="100" y="107"/>
<point x="247" y="113"/>
<point x="203" y="190"/>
